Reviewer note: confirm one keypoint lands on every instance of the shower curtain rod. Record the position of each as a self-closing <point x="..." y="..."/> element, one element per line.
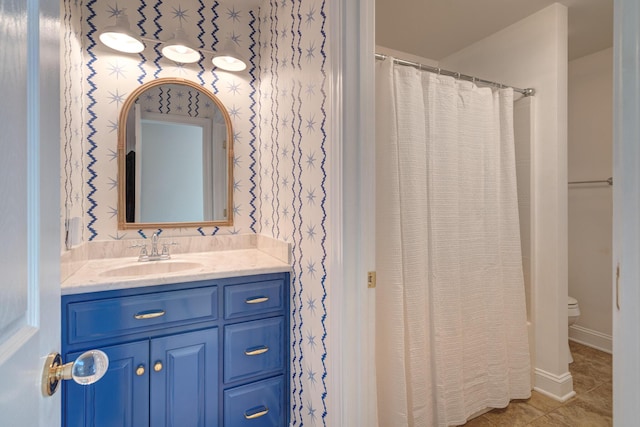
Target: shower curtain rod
<point x="459" y="76"/>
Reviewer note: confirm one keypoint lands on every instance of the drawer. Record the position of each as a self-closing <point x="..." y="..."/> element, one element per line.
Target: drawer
<point x="253" y="348"/>
<point x="259" y="404"/>
<point x="98" y="319"/>
<point x="253" y="298"/>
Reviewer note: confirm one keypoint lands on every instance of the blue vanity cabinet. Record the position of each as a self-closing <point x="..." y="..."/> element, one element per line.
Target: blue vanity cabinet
<point x="197" y="354"/>
<point x="256" y="355"/>
<point x="120" y="398"/>
<point x="184" y="379"/>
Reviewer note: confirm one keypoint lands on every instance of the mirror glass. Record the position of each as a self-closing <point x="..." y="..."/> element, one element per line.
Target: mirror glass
<point x="175" y="152"/>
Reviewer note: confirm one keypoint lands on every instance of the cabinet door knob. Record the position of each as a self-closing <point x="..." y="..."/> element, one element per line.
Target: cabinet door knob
<point x="158" y="366"/>
<point x="140" y="370"/>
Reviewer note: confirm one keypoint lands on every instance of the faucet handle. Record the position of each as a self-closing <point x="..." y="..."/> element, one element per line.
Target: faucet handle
<point x="144" y="256"/>
<point x="165" y="248"/>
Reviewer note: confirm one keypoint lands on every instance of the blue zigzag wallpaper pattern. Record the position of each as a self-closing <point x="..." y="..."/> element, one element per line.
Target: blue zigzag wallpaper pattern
<point x="178" y="101"/>
<point x="279" y="111"/>
<point x="293" y="154"/>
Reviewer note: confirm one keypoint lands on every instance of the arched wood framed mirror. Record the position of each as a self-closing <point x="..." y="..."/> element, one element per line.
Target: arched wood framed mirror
<point x="175" y="157"/>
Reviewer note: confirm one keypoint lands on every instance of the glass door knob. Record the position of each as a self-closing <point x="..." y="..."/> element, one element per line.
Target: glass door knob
<point x="88" y="368"/>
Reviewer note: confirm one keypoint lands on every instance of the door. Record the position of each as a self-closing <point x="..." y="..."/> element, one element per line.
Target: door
<point x="626" y="218"/>
<point x="184" y="380"/>
<point x="29" y="208"/>
<point x="120" y="398"/>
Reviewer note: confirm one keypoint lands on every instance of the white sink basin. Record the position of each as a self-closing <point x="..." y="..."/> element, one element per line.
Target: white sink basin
<point x="152" y="267"/>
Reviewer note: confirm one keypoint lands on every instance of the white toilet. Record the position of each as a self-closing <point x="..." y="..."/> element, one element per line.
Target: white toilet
<point x="574" y="313"/>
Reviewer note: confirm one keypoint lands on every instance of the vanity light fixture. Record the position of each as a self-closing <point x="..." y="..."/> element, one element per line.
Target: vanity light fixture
<point x="120" y="37"/>
<point x="229" y="59"/>
<point x="178" y="48"/>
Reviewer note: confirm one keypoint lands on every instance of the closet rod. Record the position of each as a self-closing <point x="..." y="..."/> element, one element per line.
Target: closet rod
<point x="600" y="181"/>
<point x="525" y="92"/>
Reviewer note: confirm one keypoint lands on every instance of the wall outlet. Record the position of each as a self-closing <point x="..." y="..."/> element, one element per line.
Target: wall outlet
<point x="73" y="232"/>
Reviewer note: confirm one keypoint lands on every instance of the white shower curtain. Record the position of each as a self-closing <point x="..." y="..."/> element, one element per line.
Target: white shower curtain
<point x="451" y="327"/>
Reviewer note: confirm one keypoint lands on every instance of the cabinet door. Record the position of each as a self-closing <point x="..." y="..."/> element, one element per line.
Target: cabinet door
<point x="120" y="398"/>
<point x="184" y="380"/>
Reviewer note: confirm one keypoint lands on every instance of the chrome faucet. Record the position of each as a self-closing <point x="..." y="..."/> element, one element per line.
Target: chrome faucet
<point x="155" y="254"/>
<point x="154" y="246"/>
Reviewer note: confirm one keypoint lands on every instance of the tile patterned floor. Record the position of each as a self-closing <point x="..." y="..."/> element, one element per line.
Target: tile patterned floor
<point x="591" y="407"/>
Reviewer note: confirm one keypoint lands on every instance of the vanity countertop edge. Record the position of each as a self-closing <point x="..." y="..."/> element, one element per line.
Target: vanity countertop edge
<point x="213" y="265"/>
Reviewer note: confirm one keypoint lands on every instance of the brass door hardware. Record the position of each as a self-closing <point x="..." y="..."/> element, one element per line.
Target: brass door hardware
<point x="256" y="300"/>
<point x="256" y="351"/>
<point x="88" y="368"/>
<point x="618" y="286"/>
<point x="151" y="314"/>
<point x="371" y="279"/>
<point x="255" y="415"/>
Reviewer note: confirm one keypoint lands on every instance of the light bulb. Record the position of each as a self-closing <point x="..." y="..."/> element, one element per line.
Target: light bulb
<point x="121" y="42"/>
<point x="229" y="63"/>
<point x="120" y="37"/>
<point x="177" y="48"/>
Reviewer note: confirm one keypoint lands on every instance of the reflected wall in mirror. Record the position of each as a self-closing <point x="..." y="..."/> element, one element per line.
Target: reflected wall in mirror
<point x="175" y="157"/>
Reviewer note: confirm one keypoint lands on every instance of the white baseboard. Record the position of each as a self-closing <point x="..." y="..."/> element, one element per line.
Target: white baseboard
<point x="591" y="338"/>
<point x="559" y="388"/>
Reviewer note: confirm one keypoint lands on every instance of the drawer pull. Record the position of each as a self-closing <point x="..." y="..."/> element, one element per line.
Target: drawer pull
<point x="256" y="300"/>
<point x="140" y="371"/>
<point x="158" y="366"/>
<point x="260" y="413"/>
<point x="151" y="314"/>
<point x="256" y="351"/>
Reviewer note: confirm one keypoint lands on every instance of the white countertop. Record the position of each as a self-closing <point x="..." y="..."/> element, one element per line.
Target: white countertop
<point x="210" y="265"/>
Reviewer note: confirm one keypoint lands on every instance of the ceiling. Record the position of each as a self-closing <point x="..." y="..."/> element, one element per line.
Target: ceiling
<point x="435" y="29"/>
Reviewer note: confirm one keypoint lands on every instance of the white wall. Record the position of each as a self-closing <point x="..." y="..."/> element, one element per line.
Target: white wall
<point x="590" y="206"/>
<point x="533" y="53"/>
<point x="523" y="120"/>
<point x="406" y="56"/>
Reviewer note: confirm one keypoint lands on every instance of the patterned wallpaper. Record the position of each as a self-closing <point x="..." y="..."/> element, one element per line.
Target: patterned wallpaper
<point x="293" y="169"/>
<point x="179" y="101"/>
<point x="109" y="76"/>
<point x="72" y="120"/>
<point x="279" y="111"/>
